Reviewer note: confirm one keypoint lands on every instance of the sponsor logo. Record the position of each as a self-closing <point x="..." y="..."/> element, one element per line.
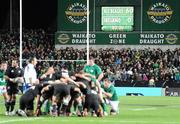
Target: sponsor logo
<point x="160" y="13"/>
<point x="171" y="38"/>
<point x="77" y="13"/>
<point x="63" y="38"/>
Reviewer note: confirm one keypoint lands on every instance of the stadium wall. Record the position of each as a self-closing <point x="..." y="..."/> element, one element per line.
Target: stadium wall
<point x="164" y="47"/>
<point x="139" y="91"/>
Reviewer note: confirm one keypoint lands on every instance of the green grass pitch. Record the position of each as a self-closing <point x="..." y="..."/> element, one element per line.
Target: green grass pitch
<point x="133" y="110"/>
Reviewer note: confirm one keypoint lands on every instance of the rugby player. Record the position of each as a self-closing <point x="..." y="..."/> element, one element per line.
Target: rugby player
<point x="3" y="90"/>
<point x="110" y="95"/>
<point x="61" y="94"/>
<point x="26" y="102"/>
<point x="13" y="76"/>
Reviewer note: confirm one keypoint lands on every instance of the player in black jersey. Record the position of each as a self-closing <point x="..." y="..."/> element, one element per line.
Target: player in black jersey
<point x="53" y="77"/>
<point x="45" y="95"/>
<point x="26" y="103"/>
<point x="75" y="98"/>
<point x="13" y="76"/>
<point x="87" y="86"/>
<point x="50" y="76"/>
<point x="92" y="101"/>
<point x="61" y="94"/>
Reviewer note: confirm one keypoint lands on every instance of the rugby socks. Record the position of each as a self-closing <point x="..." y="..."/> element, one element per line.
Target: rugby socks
<point x="63" y="109"/>
<point x="38" y="110"/>
<point x="7" y="105"/>
<point x="54" y="110"/>
<point x="47" y="106"/>
<point x="104" y="107"/>
<point x="39" y="104"/>
<point x="12" y="105"/>
<point x="80" y="107"/>
<point x="75" y="106"/>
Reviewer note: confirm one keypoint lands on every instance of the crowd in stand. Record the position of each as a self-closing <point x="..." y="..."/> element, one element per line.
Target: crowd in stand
<point x="9" y="48"/>
<point x="135" y="66"/>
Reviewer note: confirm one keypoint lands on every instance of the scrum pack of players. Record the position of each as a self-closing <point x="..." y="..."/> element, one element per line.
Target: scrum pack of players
<point x="81" y="90"/>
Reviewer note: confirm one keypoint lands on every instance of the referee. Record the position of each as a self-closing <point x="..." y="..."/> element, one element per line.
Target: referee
<point x="30" y="74"/>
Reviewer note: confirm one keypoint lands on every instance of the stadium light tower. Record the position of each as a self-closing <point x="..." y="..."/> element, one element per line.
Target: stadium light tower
<point x="20" y="32"/>
<point x="87" y="32"/>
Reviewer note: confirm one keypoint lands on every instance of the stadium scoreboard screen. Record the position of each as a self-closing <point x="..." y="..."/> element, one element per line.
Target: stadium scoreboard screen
<point x="119" y="22"/>
<point x="117" y="18"/>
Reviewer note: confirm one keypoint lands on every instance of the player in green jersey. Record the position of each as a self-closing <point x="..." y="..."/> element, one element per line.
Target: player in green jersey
<point x="93" y="69"/>
<point x="3" y="90"/>
<point x="110" y="94"/>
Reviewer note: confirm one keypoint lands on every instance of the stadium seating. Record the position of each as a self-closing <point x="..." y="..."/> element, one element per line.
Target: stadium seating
<point x="125" y="66"/>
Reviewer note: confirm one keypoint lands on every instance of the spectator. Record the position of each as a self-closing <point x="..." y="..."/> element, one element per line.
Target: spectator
<point x="152" y="82"/>
<point x="153" y="62"/>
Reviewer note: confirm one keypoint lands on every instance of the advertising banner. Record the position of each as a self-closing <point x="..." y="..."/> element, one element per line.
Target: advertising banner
<point x="105" y="38"/>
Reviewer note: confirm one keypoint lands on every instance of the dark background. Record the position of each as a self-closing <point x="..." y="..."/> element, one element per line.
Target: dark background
<point x="43" y="14"/>
<point x="36" y="14"/>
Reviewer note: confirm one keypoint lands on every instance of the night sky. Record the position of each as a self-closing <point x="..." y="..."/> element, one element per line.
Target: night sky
<point x="36" y="14"/>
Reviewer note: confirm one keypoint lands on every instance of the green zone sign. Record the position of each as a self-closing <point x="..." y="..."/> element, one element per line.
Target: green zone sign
<point x="106" y="38"/>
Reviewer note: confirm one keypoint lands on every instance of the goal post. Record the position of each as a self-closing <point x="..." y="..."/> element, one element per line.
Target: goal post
<point x="87" y="31"/>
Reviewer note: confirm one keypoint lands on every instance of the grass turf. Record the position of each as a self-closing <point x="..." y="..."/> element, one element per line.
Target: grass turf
<point x="133" y="110"/>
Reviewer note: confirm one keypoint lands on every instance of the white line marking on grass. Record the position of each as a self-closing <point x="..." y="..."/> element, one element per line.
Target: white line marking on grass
<point x="143" y="109"/>
<point x="19" y="120"/>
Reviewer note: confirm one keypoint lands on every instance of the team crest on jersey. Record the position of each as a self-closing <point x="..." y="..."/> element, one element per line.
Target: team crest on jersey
<point x="160" y="13"/>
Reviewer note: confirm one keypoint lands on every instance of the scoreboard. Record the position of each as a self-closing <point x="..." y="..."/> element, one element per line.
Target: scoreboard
<point x="117" y="18"/>
<point x="103" y="15"/>
<point x="140" y="22"/>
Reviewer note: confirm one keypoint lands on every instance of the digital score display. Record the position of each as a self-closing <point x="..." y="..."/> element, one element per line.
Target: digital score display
<point x="117" y="18"/>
